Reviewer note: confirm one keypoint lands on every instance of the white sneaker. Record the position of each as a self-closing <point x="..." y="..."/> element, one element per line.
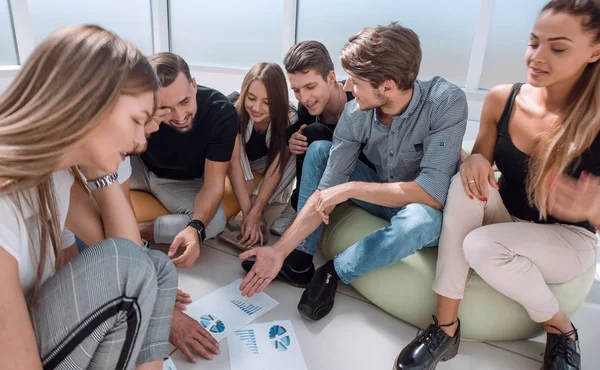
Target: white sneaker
<point x="284" y="221"/>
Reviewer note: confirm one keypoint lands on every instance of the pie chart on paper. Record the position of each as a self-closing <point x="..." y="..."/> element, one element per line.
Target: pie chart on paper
<point x="212" y="323"/>
<point x="279" y="338"/>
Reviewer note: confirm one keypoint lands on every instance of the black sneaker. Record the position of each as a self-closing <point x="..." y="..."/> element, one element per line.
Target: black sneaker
<point x="318" y="298"/>
<point x="429" y="348"/>
<point x="288" y="275"/>
<point x="562" y="352"/>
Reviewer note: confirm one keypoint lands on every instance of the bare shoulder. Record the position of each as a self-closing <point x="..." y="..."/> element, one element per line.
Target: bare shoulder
<point x="494" y="103"/>
<point x="499" y="94"/>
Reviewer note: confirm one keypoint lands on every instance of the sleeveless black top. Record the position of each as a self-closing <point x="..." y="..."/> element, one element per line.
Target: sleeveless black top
<point x="513" y="164"/>
<point x="256" y="147"/>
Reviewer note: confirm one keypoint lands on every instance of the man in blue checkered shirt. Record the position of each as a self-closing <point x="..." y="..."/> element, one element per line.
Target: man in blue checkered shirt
<point x="411" y="131"/>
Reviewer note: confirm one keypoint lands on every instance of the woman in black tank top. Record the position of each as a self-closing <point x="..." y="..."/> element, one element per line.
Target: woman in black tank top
<point x="536" y="224"/>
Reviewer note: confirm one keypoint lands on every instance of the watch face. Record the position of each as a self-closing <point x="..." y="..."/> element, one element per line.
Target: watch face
<point x="199" y="228"/>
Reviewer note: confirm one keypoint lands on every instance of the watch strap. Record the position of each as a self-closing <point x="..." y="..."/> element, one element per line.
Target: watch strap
<point x="199" y="226"/>
<point x="102" y="182"/>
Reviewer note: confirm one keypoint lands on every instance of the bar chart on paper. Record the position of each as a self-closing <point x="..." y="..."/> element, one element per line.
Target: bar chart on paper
<point x="249" y="339"/>
<point x="248" y="309"/>
<point x="266" y="346"/>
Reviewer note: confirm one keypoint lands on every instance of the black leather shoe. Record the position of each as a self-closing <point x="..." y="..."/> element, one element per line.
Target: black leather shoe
<point x="562" y="352"/>
<point x="429" y="348"/>
<point x="288" y="275"/>
<point x="317" y="300"/>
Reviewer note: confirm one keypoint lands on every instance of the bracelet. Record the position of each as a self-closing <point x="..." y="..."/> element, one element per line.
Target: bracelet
<point x="102" y="182"/>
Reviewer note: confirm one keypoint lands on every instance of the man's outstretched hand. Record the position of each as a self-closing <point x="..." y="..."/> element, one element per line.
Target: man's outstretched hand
<point x="265" y="269"/>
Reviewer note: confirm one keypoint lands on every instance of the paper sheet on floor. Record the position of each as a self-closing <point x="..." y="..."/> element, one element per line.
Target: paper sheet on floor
<point x="168" y="364"/>
<point x="225" y="310"/>
<point x="266" y="346"/>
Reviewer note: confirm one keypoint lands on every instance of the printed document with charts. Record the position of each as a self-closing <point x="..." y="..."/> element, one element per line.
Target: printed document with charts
<point x="266" y="346"/>
<point x="225" y="310"/>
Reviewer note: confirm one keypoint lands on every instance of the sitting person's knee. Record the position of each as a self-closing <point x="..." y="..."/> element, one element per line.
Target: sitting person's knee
<point x="317" y="131"/>
<point x="165" y="269"/>
<point x="478" y="247"/>
<point x="318" y="150"/>
<point x="108" y="252"/>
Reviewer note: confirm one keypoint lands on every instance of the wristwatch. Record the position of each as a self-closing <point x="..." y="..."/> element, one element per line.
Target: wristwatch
<point x="102" y="182"/>
<point x="199" y="226"/>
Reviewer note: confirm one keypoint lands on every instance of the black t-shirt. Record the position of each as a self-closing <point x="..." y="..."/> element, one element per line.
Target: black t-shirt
<point x="514" y="166"/>
<point x="305" y="118"/>
<point x="181" y="155"/>
<point x="256" y="147"/>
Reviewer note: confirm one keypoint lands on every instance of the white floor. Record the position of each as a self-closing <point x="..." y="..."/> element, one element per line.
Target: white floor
<point x="359" y="335"/>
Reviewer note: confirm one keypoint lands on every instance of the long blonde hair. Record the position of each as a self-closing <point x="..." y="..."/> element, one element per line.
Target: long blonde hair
<point x="70" y="82"/>
<point x="578" y="124"/>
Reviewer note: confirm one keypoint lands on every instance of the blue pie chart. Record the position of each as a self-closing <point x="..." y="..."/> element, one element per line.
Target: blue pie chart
<point x="279" y="338"/>
<point x="212" y="324"/>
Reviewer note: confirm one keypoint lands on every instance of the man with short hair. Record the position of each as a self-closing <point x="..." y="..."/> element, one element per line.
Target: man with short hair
<point x="184" y="167"/>
<point x="321" y="100"/>
<point x="186" y="161"/>
<point x="411" y="131"/>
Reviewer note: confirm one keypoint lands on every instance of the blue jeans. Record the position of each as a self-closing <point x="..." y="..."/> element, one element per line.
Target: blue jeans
<point x="411" y="228"/>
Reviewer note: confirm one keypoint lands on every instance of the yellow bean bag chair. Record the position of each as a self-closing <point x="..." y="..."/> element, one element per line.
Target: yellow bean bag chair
<point x="148" y="208"/>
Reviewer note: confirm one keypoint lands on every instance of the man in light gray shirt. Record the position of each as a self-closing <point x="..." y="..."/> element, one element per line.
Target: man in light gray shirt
<point x="412" y="133"/>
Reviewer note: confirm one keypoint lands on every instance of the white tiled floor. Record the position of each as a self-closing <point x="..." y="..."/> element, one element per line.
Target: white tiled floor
<point x="357" y="334"/>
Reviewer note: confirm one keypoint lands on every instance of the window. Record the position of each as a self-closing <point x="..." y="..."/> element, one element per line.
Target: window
<point x="130" y="19"/>
<point x="8" y="52"/>
<point x="446" y="29"/>
<point x="227" y="32"/>
<point x="512" y="22"/>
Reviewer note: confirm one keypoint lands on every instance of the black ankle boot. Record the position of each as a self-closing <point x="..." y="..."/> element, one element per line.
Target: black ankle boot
<point x="429" y="348"/>
<point x="562" y="352"/>
<point x="318" y="297"/>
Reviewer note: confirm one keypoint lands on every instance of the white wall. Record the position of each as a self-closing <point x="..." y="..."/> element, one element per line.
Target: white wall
<point x="4" y="82"/>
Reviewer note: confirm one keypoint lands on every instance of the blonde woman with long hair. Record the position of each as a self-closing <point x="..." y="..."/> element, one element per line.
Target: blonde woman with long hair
<point x="536" y="225"/>
<point x="80" y="103"/>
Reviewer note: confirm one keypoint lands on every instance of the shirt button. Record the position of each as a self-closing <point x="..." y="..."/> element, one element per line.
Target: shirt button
<point x="393" y="132"/>
<point x="391" y="154"/>
<point x="391" y="177"/>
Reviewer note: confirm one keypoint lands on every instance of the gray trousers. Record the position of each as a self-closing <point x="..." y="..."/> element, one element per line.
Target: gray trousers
<point x="178" y="196"/>
<point x="109" y="308"/>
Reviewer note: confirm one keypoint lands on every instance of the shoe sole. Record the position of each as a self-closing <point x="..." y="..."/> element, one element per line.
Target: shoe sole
<point x="315" y="319"/>
<point x="276" y="233"/>
<point x="233" y="242"/>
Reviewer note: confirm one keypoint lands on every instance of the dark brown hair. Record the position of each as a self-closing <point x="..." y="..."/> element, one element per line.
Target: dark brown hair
<point x="578" y="124"/>
<point x="307" y="55"/>
<point x="382" y="53"/>
<point x="271" y="75"/>
<point x="168" y="66"/>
